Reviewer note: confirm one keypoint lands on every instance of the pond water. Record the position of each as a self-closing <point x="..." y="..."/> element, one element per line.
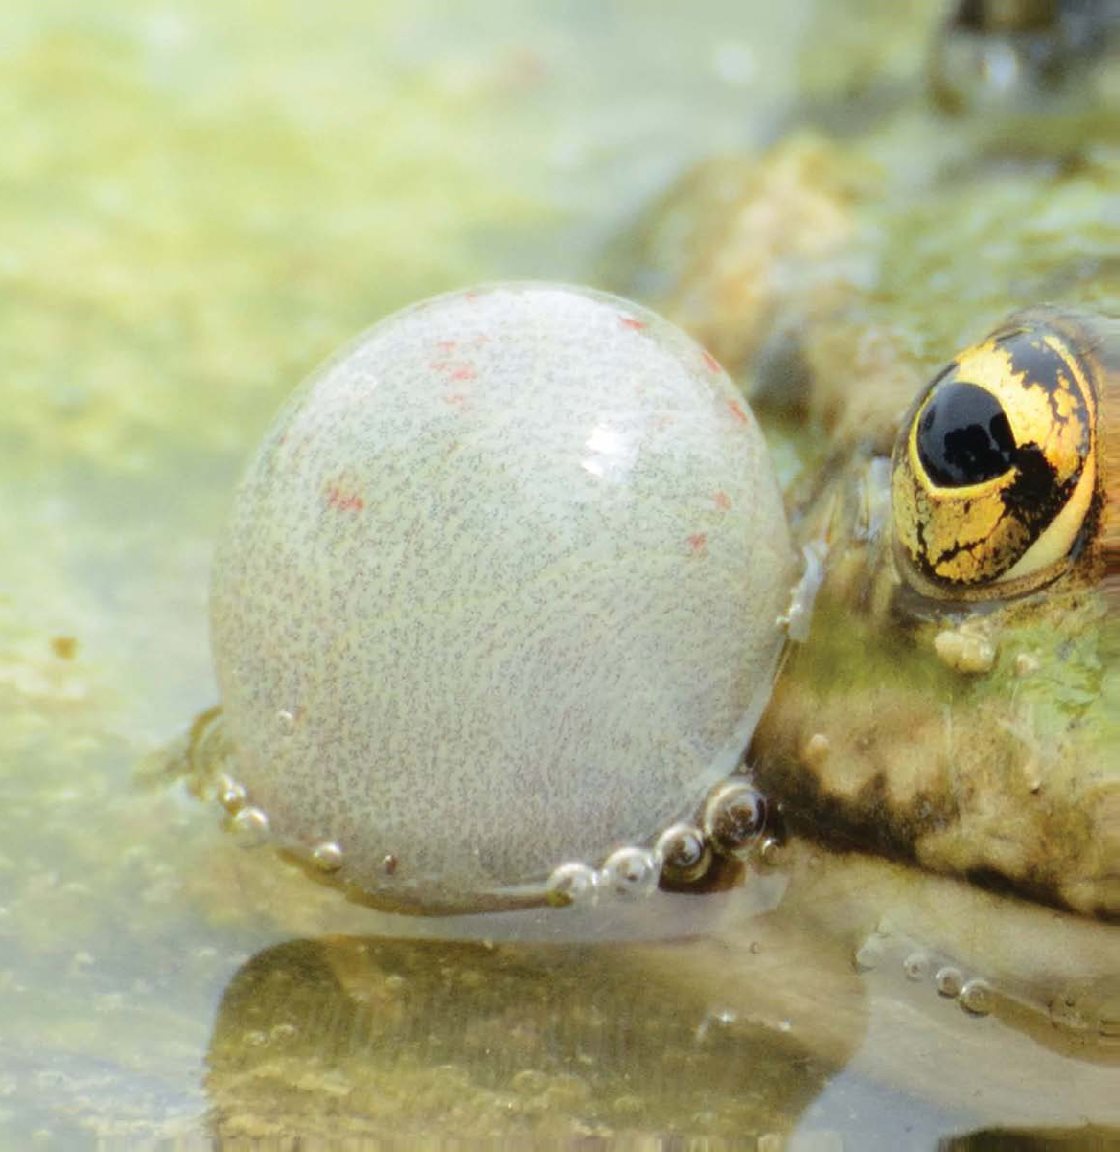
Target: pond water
<point x="199" y="202"/>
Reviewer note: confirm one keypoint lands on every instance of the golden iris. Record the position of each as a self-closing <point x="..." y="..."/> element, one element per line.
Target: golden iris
<point x="996" y="483"/>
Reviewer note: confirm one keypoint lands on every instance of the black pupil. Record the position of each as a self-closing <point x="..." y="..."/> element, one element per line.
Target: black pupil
<point x="964" y="437"/>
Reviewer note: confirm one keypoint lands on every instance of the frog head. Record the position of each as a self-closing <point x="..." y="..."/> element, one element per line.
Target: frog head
<point x="955" y="704"/>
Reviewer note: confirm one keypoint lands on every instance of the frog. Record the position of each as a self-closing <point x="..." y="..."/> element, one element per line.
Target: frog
<point x="831" y="278"/>
<point x="836" y="275"/>
<point x="948" y="710"/>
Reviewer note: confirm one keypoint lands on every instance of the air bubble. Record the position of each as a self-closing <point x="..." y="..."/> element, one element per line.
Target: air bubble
<point x="916" y="966"/>
<point x="869" y="954"/>
<point x="948" y="981"/>
<point x="250" y="825"/>
<point x="685" y="854"/>
<point x="327" y="856"/>
<point x="734" y="818"/>
<point x="572" y="884"/>
<point x="976" y="997"/>
<point x="770" y="852"/>
<point x="632" y="872"/>
<point x="231" y="795"/>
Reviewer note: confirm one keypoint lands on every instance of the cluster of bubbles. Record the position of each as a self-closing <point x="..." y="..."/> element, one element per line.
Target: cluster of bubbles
<point x="975" y="995"/>
<point x="1085" y="1010"/>
<point x="730" y="827"/>
<point x="250" y="825"/>
<point x="919" y="966"/>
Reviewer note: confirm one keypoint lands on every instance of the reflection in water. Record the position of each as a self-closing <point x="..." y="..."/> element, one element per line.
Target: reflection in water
<point x="1038" y="1140"/>
<point x="356" y="1037"/>
<point x="823" y="1015"/>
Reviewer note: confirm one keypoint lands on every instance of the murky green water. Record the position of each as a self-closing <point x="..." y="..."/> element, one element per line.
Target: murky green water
<point x="197" y="203"/>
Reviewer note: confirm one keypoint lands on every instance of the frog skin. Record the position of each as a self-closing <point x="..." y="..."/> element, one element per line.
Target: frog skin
<point x="972" y="734"/>
<point x="975" y="731"/>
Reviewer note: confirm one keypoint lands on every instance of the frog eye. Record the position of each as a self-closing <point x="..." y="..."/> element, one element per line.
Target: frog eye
<point x="994" y="484"/>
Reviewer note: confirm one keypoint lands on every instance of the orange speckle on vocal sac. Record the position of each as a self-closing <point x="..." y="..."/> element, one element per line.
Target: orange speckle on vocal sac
<point x="631" y="322"/>
<point x="446" y="345"/>
<point x="698" y="543"/>
<point x="736" y="410"/>
<point x="455" y="399"/>
<point x="711" y="362"/>
<point x="342" y="500"/>
<point x="722" y="501"/>
<point x="454" y="369"/>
